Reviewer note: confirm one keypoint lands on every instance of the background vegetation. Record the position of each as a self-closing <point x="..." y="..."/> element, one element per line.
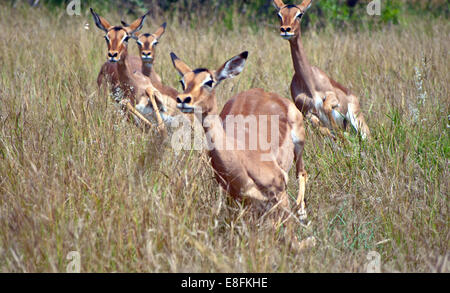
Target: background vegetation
<point x="323" y="12"/>
<point x="75" y="176"/>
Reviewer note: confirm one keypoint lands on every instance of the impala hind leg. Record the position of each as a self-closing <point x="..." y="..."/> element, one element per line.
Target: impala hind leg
<point x="281" y="211"/>
<point x="356" y="119"/>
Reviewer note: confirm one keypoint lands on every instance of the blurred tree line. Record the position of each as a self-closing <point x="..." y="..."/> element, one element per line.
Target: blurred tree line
<point x="254" y="12"/>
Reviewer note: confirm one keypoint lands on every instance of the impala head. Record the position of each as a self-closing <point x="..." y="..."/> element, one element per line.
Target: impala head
<point x="199" y="84"/>
<point x="147" y="43"/>
<point x="117" y="36"/>
<point x="290" y="17"/>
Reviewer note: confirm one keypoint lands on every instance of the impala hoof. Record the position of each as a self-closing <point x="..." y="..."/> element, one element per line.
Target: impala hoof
<point x="302" y="214"/>
<point x="124" y="102"/>
<point x="309" y="242"/>
<point x="301" y="245"/>
<point x="303" y="218"/>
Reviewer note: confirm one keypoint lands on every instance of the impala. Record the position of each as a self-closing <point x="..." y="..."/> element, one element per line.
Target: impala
<point x="258" y="174"/>
<point x="109" y="73"/>
<point x="313" y="92"/>
<point x="135" y="86"/>
<point x="147" y="50"/>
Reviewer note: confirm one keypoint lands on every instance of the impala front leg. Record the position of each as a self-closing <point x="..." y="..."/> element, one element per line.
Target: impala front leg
<point x="306" y="105"/>
<point x="329" y="103"/>
<point x="302" y="179"/>
<point x="317" y="123"/>
<point x="151" y="96"/>
<point x="127" y="104"/>
<point x="298" y="135"/>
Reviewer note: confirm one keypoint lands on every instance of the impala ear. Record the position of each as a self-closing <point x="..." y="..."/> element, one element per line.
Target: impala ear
<point x="137" y="24"/>
<point x="231" y="68"/>
<point x="160" y="31"/>
<point x="278" y="4"/>
<point x="179" y="65"/>
<point x="135" y="36"/>
<point x="305" y="5"/>
<point x="100" y="22"/>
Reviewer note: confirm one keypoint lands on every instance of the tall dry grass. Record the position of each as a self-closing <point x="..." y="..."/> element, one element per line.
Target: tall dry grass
<point x="75" y="176"/>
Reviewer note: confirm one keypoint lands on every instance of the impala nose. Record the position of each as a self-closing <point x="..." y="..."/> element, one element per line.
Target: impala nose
<point x="286" y="32"/>
<point x="112" y="55"/>
<point x="183" y="104"/>
<point x="186" y="100"/>
<point x="146" y="55"/>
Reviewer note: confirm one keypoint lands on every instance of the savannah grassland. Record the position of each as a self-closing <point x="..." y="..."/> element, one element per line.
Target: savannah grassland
<point x="76" y="176"/>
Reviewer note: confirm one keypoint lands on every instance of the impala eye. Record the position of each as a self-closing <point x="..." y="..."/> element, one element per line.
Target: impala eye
<point x="299" y="16"/>
<point x="209" y="83"/>
<point x="126" y="38"/>
<point x="182" y="84"/>
<point x="139" y="43"/>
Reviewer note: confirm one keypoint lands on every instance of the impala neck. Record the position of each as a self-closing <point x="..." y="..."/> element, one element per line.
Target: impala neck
<point x="215" y="133"/>
<point x="124" y="68"/>
<point x="147" y="69"/>
<point x="302" y="67"/>
<point x="213" y="127"/>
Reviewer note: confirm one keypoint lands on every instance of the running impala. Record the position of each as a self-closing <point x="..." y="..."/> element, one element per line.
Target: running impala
<point x="109" y="74"/>
<point x="147" y="50"/>
<point x="318" y="96"/>
<point x="258" y="174"/>
<point x="135" y="86"/>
